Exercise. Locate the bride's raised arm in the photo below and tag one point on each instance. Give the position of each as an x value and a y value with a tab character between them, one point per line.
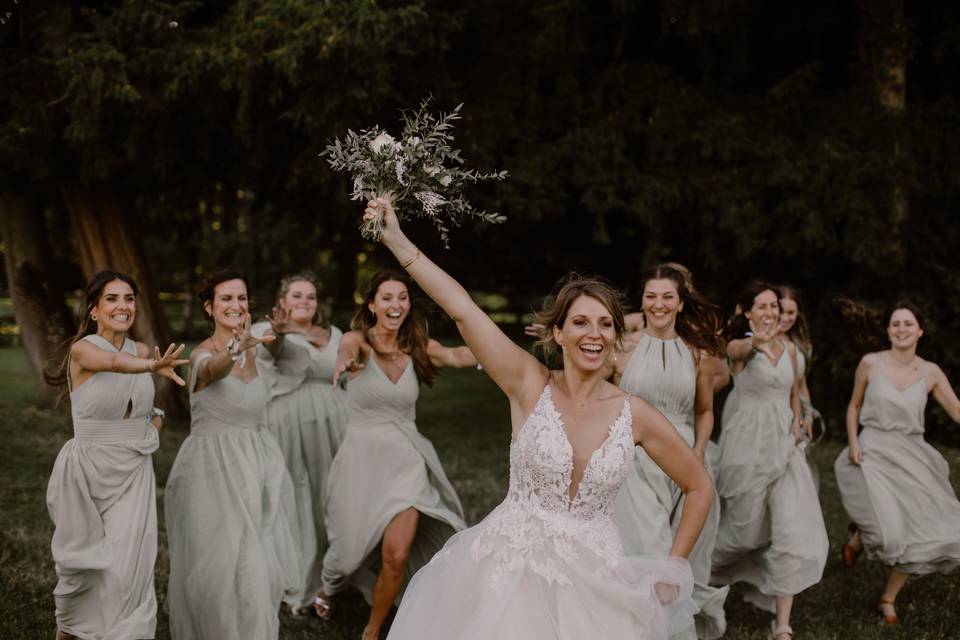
513	369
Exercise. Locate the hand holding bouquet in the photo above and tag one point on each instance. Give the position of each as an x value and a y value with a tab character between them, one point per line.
421	173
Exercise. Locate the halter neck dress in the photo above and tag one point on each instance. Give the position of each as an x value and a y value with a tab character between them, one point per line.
772	534
648	508
228	505
900	496
383	467
308	417
101	498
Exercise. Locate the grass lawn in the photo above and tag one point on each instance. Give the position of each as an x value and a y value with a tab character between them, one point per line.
466	417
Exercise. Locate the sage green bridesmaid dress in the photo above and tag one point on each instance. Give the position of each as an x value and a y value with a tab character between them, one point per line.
384	467
900	496
101	498
648	508
228	506
771	533
308	417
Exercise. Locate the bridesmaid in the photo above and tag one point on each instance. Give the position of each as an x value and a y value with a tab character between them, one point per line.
714	364
794	330
101	495
306	414
665	365
229	500
894	485
771	533
389	504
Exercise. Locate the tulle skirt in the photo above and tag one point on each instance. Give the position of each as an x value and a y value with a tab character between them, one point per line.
520	576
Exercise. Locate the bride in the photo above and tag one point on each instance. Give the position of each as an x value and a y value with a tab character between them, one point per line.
547	562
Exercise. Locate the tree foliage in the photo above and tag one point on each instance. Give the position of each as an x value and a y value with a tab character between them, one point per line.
741	137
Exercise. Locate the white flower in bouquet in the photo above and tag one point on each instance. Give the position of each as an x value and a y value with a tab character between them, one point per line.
421	170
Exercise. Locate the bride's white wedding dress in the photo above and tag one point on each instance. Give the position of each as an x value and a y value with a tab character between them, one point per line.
545	566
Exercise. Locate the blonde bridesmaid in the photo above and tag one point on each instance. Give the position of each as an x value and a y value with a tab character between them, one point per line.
306	413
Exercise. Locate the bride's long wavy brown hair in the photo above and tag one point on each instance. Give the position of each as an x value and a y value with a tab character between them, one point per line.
414	334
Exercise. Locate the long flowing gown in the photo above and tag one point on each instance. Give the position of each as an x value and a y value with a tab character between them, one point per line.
649	506
771	534
101	498
228	505
543	566
900	496
384	467
308	417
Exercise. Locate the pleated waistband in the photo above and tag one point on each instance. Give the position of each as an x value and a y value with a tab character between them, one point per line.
208	427
107	431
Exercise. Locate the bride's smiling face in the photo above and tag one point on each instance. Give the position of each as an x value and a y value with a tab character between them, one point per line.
587	335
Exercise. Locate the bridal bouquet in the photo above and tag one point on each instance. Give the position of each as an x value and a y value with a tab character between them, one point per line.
422	172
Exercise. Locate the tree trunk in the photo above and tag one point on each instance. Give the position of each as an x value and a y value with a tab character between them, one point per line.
42	314
109	239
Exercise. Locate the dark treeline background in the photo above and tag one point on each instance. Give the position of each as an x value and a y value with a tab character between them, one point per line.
810	143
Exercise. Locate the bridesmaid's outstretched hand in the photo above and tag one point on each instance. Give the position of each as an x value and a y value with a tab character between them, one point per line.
166	364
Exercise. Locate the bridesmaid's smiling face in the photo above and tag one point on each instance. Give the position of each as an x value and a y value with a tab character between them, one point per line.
765	311
903	330
300	302
661	304
229	305
116	308
788	314
391	305
587	335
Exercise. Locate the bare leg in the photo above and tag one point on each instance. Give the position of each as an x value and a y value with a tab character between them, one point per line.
397	540
784	607
855	542
886	605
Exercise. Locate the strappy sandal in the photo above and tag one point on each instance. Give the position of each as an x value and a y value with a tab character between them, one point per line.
776	632
889	616
323	606
850	555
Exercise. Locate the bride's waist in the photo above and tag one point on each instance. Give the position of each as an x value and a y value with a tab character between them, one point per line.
559	520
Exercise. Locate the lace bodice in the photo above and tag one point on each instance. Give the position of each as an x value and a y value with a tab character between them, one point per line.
541	526
541	464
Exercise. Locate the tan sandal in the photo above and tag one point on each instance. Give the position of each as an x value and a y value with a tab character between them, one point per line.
887	611
776	632
323	606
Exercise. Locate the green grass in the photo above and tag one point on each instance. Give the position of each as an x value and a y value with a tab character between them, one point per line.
467	419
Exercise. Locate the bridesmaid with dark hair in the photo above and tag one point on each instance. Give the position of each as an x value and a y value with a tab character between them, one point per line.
229	500
666	365
101	495
894	485
771	534
389	504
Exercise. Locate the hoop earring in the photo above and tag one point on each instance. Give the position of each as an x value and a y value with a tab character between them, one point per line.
94	318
